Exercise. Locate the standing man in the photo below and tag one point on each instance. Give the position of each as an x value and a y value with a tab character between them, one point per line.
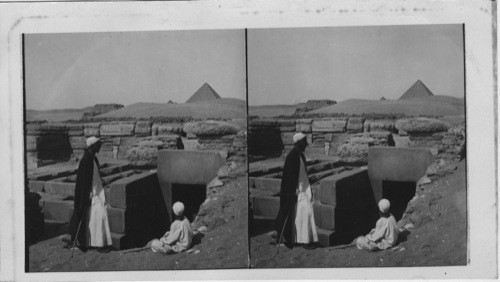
295	221
90	217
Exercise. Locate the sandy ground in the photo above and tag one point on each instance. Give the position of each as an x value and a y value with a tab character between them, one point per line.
439	236
224	245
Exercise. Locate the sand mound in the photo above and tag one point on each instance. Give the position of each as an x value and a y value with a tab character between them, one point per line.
272	110
432	105
222	108
55	115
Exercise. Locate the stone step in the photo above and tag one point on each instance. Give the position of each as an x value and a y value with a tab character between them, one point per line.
322	166
324	216
119	175
269	184
256	172
62	188
36	185
115	169
265	207
57	210
328	238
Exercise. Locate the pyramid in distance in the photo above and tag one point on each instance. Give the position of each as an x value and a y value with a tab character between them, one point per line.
205	93
417	90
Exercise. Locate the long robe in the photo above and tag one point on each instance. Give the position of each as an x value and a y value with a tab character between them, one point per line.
98	233
305	227
82	201
288	197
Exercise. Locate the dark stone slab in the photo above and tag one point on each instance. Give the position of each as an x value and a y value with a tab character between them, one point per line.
396	164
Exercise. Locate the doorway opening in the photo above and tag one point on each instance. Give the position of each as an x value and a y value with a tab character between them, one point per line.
191	195
399	193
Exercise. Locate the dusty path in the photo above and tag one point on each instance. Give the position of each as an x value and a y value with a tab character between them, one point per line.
224	245
438	238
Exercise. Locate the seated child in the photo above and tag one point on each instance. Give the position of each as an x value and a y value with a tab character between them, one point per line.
179	237
385	233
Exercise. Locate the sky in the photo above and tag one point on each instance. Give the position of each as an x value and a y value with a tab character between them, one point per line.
83	69
291	65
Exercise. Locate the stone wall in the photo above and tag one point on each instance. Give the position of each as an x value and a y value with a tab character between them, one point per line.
275	136
350	137
137	141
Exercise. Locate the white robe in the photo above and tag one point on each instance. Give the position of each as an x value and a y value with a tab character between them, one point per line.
383	236
177	239
305	227
98	233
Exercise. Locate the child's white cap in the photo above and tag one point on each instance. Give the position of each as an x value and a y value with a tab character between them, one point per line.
384	205
178	208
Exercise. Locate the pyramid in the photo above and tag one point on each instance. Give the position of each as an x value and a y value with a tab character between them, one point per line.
383	98
417	90
170	102
205	93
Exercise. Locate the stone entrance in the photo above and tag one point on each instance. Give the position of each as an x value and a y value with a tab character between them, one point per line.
183	176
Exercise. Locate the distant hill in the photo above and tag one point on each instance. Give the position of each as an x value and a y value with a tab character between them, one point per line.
417	90
204	94
431	105
56	115
221	108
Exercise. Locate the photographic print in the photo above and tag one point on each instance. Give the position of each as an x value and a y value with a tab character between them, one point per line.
135	150
202	140
356	145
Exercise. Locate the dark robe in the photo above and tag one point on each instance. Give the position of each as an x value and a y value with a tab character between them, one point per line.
82	201
288	197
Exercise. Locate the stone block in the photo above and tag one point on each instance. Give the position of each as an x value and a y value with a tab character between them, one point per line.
57	210
345	188
120	241
78	142
325	237
75	129
287	138
142	128
382	125
268	184
154	129
303	125
117	129
132	191
265	207
117	219
36	185
396	164
421	125
92	129
251	182
188	167
169	128
355	124
46	129
329	125
61	188
324	216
